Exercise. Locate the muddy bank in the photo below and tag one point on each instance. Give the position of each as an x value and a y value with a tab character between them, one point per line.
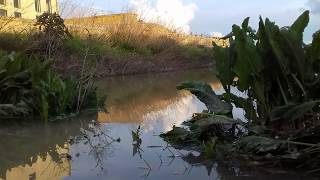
111	66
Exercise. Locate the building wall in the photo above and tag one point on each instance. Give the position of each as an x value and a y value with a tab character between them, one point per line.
27	8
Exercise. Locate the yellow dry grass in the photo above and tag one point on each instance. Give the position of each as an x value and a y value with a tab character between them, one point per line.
119	29
127	29
16	25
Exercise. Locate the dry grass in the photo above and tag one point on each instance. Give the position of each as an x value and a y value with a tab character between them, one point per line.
120	42
126	30
12	25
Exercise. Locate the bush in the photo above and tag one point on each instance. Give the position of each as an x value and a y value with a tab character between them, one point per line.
280	76
52	25
51	37
28	87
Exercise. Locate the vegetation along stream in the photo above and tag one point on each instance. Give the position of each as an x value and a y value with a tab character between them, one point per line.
112	146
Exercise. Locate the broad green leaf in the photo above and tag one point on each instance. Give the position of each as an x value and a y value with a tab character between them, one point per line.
300	24
248	61
259	144
274	38
293	48
205	94
315	47
245	24
224	63
177	135
215	120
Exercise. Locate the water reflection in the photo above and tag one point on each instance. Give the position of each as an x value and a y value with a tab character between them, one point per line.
42	167
36	151
153	99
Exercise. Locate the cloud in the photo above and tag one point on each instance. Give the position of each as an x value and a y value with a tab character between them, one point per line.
170	13
314	6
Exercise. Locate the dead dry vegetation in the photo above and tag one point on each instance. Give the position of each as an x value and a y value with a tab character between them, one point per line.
127	28
119	44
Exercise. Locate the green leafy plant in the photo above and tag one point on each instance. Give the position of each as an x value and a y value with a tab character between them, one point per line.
279	74
28	87
274	67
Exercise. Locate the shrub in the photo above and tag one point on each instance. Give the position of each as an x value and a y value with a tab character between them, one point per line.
280	76
52	25
51	37
28	87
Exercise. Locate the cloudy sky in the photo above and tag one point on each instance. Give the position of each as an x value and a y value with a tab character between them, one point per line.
212	16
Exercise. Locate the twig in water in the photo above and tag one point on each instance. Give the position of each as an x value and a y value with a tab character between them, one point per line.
161	162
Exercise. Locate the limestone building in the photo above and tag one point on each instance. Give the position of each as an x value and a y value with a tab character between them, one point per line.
27	9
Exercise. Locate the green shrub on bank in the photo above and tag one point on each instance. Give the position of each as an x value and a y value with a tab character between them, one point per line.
28	87
280	76
196	52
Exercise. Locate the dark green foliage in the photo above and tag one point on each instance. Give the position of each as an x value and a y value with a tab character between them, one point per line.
273	66
136	142
196	52
136	135
280	75
28	87
52	24
259	144
178	136
292	112
51	37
